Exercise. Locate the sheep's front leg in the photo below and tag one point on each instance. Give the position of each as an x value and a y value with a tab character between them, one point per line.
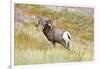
53	42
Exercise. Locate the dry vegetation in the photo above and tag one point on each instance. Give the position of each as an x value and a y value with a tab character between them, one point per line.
32	47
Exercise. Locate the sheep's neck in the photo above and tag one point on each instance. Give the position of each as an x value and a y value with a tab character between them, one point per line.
46	30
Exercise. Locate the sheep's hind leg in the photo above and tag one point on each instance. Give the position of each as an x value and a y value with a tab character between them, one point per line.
68	44
65	46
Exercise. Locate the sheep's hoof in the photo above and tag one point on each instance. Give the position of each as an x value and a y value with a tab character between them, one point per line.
68	49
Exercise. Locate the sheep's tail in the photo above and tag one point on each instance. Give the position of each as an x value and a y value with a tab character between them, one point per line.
69	35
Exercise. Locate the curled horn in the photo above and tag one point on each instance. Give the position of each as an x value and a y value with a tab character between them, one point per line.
39	21
50	23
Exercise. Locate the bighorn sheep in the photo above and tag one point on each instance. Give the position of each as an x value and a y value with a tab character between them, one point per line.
53	34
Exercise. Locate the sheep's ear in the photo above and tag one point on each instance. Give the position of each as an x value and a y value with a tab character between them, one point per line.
50	25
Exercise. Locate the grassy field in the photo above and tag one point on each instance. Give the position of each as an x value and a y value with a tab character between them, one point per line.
32	47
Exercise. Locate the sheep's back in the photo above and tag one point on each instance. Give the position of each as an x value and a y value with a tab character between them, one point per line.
58	35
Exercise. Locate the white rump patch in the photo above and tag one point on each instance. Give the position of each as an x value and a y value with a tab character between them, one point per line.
66	36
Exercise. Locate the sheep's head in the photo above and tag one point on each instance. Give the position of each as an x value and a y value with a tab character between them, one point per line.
45	23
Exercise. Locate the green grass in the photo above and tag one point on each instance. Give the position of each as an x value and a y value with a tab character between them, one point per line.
32	47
